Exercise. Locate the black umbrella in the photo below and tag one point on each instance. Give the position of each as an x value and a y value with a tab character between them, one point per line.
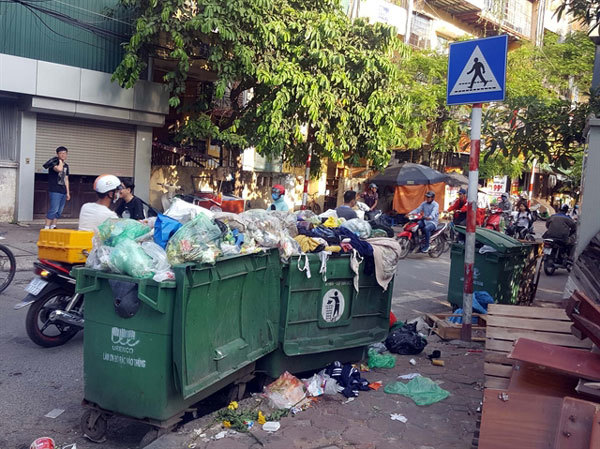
457	180
409	174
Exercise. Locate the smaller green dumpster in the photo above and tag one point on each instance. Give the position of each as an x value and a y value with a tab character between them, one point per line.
499	262
323	318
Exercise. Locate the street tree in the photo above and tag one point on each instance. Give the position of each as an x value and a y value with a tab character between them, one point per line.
300	63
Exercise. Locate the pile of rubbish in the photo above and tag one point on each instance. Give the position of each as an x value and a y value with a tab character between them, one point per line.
190	233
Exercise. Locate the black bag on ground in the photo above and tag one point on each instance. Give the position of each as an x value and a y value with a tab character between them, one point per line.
406	340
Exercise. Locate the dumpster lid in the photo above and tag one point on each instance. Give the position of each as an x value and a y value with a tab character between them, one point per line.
497	240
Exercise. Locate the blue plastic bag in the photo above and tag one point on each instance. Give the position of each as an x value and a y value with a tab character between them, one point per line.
481	299
164	228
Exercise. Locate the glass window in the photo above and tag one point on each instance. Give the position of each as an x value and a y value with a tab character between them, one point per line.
9	120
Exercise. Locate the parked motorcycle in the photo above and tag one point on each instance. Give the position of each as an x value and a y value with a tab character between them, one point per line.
55	312
519	233
555	256
410	238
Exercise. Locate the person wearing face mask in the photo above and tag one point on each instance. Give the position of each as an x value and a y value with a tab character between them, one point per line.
277	193
92	215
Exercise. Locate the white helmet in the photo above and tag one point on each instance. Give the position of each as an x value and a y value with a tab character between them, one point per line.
106	183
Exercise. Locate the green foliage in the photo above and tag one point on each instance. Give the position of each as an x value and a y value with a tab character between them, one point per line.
491	165
583	11
305	62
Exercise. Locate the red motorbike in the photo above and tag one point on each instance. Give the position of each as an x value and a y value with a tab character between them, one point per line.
494	219
410	238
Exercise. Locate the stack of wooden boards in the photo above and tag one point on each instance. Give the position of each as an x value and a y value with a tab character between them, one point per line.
542	382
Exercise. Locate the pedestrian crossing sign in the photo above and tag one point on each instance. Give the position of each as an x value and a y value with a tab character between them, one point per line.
477	70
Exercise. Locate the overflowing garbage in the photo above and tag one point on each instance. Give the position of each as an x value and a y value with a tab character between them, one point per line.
189	233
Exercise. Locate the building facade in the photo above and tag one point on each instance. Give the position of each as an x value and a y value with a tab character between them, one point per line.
56	90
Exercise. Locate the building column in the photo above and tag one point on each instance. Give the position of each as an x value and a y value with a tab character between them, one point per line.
142	163
26	173
589	216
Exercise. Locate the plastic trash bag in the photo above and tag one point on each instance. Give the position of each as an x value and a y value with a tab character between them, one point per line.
99	258
377	360
406	340
183	211
129	258
285	392
422	390
234	221
196	241
288	222
230	250
160	264
306	215
264	227
360	227
115	230
288	247
164	228
320	384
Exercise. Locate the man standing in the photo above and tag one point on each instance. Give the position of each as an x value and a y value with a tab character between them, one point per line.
345	210
428	223
58	186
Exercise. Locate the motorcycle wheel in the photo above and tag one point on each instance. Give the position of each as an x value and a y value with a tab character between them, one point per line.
549	267
437	248
40	329
404	247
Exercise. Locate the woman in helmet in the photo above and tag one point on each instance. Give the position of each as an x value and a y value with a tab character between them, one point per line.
277	193
371	196
93	215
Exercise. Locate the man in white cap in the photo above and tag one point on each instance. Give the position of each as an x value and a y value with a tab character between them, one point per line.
93	215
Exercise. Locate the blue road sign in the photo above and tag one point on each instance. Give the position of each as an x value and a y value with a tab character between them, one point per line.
477	70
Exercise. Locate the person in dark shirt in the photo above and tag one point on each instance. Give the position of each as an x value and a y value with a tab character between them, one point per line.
58	186
131	206
345	210
561	227
371	196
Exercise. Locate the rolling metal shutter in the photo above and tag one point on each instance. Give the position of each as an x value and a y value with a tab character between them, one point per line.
94	147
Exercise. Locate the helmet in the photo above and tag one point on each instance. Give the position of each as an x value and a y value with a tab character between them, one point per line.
106	183
373	185
430	194
504	195
462	191
564	208
279	189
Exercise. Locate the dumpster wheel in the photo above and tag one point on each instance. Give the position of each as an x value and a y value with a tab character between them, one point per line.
93	425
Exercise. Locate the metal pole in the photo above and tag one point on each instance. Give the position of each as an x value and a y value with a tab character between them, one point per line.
306	177
531	182
465	332
596	72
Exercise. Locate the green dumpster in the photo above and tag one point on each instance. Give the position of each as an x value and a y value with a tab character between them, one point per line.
324	318
186	340
497	268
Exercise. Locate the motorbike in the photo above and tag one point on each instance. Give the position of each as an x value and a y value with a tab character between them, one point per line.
410	239
494	219
55	312
521	233
555	256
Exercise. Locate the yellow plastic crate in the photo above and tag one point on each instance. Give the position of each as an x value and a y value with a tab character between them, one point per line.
64	245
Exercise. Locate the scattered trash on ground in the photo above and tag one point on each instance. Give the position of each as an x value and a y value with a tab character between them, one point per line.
409	376
285	392
43	443
437	362
434	355
398	417
55	413
378	360
406	340
376	385
422	390
412	362
348	400
271	426
320	384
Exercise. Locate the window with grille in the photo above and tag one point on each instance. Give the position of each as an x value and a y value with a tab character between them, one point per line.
9	130
420	31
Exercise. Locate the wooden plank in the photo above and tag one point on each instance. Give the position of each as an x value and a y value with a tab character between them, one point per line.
528	378
518	420
500	358
545	337
574	362
561	327
575	425
494	369
528	312
498	345
500	383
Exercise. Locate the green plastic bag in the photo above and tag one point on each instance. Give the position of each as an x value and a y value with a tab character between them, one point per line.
129	258
199	240
115	230
377	360
422	390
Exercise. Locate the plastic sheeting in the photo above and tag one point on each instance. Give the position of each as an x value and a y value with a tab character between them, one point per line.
407	198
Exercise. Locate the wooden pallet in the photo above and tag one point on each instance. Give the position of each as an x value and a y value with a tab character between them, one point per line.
507	323
449	331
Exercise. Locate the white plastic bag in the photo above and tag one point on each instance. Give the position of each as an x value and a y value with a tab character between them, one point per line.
183	211
160	263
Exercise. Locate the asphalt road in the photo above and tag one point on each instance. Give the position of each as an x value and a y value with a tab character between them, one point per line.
35	380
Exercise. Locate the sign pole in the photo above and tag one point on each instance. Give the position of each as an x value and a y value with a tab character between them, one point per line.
531	182
465	332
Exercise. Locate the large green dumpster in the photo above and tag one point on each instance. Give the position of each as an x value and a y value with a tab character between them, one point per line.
497	268
187	339
324	318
